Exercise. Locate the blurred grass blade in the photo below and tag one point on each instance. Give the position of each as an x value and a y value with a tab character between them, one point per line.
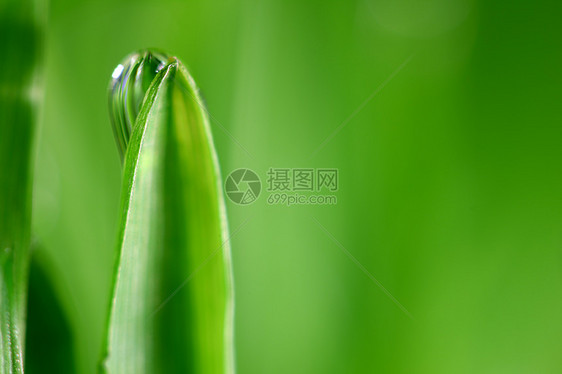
171	309
19	43
49	344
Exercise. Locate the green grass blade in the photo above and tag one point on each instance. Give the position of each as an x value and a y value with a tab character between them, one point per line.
171	309
19	43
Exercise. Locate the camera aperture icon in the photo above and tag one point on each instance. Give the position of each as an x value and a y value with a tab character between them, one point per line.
242	186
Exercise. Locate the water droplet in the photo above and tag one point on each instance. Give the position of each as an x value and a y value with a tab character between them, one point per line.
129	83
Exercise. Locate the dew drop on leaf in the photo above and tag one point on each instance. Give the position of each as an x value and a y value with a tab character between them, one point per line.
129	83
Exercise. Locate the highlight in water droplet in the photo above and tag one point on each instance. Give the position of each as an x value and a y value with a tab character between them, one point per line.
117	72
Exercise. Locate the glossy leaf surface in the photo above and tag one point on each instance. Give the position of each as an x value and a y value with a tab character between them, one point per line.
171	309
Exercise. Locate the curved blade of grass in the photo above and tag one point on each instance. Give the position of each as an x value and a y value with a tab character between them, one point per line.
19	43
171	309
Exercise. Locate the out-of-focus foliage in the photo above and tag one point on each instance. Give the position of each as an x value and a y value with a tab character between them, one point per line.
449	176
20	36
49	347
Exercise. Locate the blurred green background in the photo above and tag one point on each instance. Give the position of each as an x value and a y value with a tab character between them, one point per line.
450	174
